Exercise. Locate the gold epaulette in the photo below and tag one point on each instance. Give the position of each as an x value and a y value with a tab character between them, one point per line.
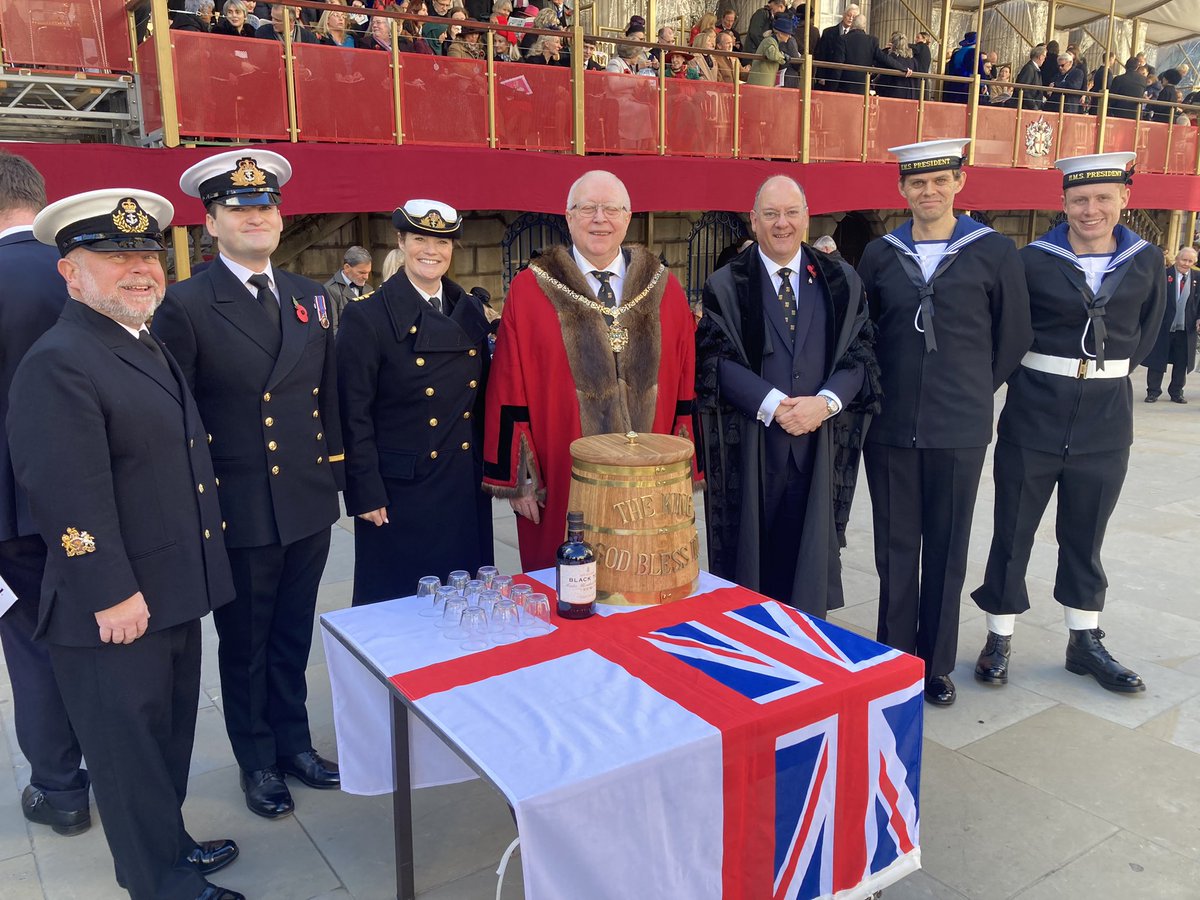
366	295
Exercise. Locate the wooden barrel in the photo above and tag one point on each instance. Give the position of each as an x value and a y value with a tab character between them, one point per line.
635	492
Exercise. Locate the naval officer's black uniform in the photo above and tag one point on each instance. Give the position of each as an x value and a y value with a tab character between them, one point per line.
108	443
266	386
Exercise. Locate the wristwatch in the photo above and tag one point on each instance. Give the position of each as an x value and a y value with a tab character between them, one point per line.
830	405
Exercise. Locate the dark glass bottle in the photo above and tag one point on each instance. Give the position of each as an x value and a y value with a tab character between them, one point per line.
575	568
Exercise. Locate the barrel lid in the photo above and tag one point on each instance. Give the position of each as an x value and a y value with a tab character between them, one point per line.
631	449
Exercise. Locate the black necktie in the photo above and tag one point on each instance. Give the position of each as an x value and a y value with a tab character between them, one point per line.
436	303
262	285
605	295
148	341
787	298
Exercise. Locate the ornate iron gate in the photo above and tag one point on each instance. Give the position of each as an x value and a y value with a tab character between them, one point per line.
526	237
712	234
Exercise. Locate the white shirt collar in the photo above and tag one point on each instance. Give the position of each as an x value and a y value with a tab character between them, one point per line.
616	266
7	231
773	267
242	274
427	297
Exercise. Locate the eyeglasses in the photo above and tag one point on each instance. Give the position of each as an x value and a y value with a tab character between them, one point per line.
608	210
774	215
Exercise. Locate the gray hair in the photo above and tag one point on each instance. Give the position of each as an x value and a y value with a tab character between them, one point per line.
596	173
231	5
196	6
1038	52
1184	247
860	21
356	256
825	244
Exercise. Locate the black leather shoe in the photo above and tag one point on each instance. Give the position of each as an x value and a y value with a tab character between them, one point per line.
939	690
37	809
992	665
1179	399
212	892
1152	398
266	794
312	770
1087	656
211	856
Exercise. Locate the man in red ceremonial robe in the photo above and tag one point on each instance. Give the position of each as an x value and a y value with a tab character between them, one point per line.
594	339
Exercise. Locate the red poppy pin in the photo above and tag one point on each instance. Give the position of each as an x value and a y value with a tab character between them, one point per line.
301	311
1170	279
812	273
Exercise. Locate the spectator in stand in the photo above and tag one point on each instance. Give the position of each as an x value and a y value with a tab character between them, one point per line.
233	21
380	35
331	29
705	64
468	45
636	29
762	24
809	34
765	70
1168	92
349	283
1070	78
1002	93
728	25
725	64
546	51
900	54
1130	85
589	52
451	32
704	23
273	30
409	39
628	60
546	19
963	63
677	64
561	12
832	48
1031	74
666	39
196	16
985	89
1103	76
921	54
1050	64
862	49
501	14
501	48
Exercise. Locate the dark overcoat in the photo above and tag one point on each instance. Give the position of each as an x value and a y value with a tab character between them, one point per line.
1157	360
268	396
411	382
115	448
733	446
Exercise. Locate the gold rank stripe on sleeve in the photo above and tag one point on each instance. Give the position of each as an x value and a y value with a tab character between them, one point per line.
337	457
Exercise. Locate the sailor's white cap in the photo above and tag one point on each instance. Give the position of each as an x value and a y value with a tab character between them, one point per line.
1097	168
930	156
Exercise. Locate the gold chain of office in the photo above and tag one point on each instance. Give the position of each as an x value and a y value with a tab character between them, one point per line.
618	334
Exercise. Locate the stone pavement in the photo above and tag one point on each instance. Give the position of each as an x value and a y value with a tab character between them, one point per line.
1047	788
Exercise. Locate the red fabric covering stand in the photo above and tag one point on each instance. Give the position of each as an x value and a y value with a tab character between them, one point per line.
328	179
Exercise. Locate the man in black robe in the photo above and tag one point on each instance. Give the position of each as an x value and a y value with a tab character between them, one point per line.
925	450
781	348
1096	293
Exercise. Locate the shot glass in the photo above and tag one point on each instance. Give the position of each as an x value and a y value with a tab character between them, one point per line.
427	589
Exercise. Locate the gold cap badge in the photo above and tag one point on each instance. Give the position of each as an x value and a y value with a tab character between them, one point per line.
130	218
248	174
77	543
432	219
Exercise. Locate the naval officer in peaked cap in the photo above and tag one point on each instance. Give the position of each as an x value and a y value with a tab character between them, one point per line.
412	376
108	443
1097	294
947	295
255	345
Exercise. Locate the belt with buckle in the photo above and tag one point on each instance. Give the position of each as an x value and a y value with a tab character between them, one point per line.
1075	368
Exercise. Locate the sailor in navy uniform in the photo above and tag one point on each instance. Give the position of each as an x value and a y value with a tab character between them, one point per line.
107	442
257	350
412	366
948	298
1097	296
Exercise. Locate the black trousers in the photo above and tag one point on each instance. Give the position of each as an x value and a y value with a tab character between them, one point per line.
1178	361
44	731
266	634
779	550
922	502
1088	487
134	709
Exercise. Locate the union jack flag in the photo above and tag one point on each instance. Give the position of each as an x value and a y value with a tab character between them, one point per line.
777	755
